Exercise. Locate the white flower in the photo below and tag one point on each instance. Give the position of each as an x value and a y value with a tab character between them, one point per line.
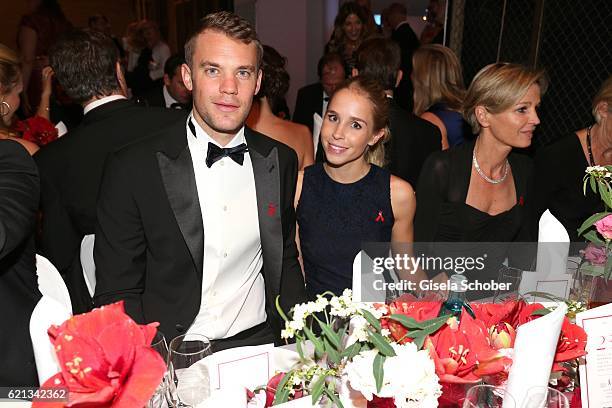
416	386
385	332
287	333
358	330
296	325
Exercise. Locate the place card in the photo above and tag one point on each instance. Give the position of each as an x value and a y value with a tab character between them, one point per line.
596	367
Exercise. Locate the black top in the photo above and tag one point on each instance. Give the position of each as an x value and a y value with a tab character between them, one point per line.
560	170
443	216
335	219
412	140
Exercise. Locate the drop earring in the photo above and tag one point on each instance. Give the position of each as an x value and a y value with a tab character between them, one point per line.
5	108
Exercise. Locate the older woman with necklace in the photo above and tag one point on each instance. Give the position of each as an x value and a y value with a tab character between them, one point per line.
568	159
477	192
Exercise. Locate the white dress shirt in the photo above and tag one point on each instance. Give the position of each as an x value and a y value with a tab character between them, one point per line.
100	102
233	290
168	99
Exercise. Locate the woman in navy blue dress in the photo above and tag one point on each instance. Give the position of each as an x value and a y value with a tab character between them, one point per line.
350	199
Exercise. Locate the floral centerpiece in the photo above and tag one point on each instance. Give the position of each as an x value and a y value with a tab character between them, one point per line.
404	354
105	359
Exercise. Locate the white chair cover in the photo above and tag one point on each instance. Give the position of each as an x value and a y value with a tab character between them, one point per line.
87	262
53	308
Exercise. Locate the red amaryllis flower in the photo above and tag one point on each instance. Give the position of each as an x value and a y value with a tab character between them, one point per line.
463	354
513	312
37	130
407	305
381	402
105	359
273	385
572	344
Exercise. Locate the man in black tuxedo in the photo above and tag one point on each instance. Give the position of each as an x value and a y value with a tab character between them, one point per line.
408	42
172	93
313	98
87	66
412	138
196	224
19	191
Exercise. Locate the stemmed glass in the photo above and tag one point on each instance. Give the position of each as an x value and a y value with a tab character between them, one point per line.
189	384
545	397
488	396
159	344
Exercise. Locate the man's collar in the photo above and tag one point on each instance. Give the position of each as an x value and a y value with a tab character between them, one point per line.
203	137
168	99
100	102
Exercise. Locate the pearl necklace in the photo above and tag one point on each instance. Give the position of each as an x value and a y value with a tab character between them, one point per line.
484	176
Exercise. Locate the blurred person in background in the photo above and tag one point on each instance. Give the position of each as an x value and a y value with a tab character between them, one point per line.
38	30
172	93
274	86
439	92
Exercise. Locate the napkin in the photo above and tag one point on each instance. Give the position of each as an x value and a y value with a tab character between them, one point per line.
534	352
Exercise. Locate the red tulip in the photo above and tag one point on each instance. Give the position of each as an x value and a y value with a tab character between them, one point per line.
105	359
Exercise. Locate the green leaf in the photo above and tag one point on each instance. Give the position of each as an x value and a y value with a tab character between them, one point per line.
332	395
433	325
407	322
282	394
329	333
592	220
316	342
331	351
381	343
419	341
540	312
592	236
608	268
317	389
371	319
298	347
280	309
351	351
378	370
593	185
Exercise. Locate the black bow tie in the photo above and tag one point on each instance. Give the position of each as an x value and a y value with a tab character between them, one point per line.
177	105
216	153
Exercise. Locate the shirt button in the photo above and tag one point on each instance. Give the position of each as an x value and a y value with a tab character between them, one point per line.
225	254
222	163
214	293
225	208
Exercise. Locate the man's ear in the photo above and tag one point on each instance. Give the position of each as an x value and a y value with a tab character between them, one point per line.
354	72
186	75
482	116
167	80
259	77
398	77
121	79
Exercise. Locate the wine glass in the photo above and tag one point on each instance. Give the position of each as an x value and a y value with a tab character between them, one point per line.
545	397
488	396
158	398
511	278
189	384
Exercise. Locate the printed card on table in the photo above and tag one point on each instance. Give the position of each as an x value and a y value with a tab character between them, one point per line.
596	370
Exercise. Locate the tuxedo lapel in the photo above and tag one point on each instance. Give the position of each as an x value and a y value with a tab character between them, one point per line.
267	186
176	168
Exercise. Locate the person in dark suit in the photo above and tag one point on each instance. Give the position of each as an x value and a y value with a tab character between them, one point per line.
196	226
313	98
19	191
403	34
87	66
412	139
172	93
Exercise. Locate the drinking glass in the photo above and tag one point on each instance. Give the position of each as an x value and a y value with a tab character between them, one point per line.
189	384
545	397
511	277
158	399
488	396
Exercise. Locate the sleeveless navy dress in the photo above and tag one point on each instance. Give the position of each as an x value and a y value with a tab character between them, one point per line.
335	219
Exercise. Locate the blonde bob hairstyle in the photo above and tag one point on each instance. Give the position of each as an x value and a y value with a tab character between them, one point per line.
604	95
437	78
498	87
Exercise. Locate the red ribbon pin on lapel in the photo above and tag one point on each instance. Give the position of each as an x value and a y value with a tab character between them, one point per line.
271	209
380	217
